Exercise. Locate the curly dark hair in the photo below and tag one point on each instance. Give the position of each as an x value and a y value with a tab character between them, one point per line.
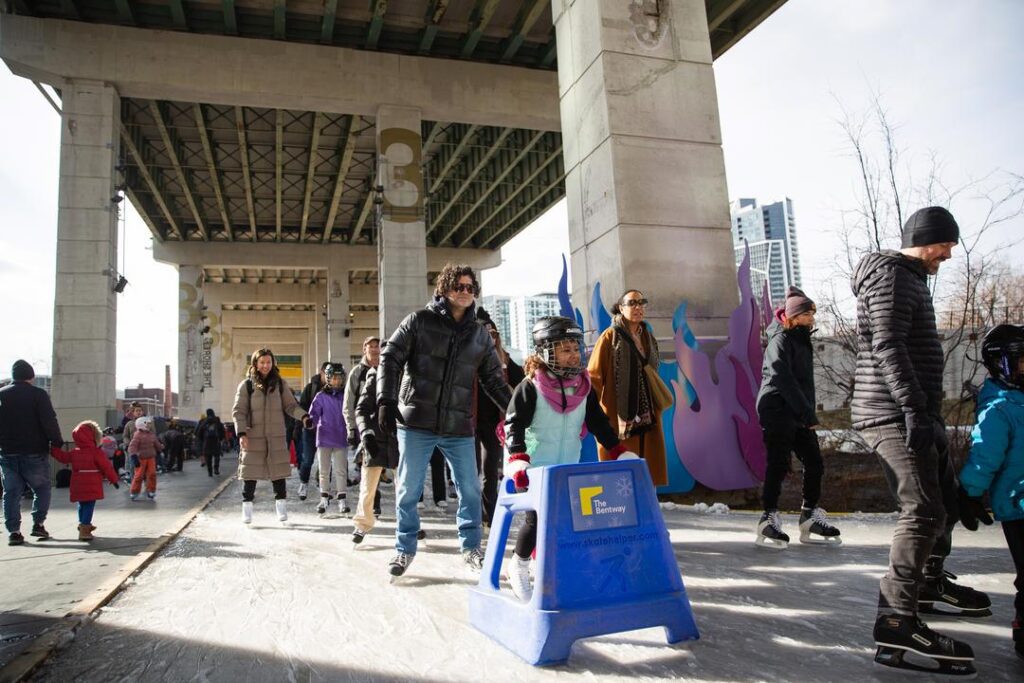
450	276
273	379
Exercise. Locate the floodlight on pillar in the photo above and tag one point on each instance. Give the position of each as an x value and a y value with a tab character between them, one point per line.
121	283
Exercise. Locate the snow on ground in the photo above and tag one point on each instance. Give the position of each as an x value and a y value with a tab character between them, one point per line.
227	602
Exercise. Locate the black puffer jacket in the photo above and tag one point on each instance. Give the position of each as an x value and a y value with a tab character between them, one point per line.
366	423
441	359
787	376
899	354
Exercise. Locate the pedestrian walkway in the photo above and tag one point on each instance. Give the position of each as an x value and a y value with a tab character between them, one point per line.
226	602
45	580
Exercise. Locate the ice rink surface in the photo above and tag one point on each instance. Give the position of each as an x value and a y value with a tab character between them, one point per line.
226	602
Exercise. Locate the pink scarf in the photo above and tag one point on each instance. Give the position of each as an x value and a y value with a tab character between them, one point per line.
552	389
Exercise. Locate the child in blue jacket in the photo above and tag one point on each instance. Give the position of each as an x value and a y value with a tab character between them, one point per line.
996	462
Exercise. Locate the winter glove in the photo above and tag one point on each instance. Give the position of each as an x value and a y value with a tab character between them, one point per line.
972	510
620	453
54	450
135	461
371	446
387	418
354	440
920	432
515	469
307	422
941	438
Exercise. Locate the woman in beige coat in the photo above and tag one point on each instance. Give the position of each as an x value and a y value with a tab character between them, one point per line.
261	402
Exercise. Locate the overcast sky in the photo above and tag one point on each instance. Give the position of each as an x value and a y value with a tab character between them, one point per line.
950	73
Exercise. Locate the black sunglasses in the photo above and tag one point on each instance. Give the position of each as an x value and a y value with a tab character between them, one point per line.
634	302
471	288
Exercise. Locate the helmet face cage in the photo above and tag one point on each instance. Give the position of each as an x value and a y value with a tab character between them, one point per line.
1001	351
332	371
547	350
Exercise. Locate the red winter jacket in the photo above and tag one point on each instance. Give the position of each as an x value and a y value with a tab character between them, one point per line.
145	444
89	464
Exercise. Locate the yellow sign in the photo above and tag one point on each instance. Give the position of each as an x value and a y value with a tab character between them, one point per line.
587	496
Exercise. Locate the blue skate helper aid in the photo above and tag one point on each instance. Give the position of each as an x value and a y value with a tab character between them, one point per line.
604	563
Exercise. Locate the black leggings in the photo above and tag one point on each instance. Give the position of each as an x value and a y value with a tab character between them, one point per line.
779	444
249	489
213	462
1014	532
526	541
489	458
438	483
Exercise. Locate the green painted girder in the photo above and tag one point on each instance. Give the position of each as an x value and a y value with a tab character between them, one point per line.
549	52
211	167
478	22
279	19
230	19
521	186
178	15
378	8
327	27
528	15
124	12
432	22
171	149
479	165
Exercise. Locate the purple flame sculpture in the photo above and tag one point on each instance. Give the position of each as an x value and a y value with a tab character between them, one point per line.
720	443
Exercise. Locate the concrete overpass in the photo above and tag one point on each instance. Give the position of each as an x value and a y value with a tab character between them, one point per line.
320	160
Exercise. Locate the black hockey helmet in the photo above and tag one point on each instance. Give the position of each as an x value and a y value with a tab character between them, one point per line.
1001	351
547	333
333	369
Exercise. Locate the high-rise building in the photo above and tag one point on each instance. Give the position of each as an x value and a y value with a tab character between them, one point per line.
498	308
516	315
770	232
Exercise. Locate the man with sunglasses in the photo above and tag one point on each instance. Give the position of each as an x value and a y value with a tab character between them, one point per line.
428	370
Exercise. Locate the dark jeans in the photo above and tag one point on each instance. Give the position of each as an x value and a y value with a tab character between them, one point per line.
18	472
924	485
175	459
212	463
85	510
526	541
1014	532
780	441
489	458
249	489
306	454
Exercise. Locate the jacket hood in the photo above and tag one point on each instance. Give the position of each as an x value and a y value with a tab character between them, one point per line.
439	305
877	264
84	436
992	390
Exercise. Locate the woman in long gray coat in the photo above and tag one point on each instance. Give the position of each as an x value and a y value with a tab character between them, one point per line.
261	401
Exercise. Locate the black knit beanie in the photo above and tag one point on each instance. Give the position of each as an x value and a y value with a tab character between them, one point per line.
797	302
932	225
21	371
210	413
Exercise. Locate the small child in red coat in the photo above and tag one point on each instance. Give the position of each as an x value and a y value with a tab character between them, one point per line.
89	466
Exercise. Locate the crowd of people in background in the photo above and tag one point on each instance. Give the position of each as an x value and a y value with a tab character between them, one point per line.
442	392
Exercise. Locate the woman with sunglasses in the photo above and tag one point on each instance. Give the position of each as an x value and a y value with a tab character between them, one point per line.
624	372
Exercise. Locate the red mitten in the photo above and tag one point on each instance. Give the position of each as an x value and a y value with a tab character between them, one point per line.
620	453
499	431
515	469
56	451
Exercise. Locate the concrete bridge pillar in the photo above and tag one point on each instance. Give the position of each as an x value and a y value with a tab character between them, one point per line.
338	323
648	203
194	350
85	306
401	245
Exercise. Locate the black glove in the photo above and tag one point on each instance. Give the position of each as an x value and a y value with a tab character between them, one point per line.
972	511
920	432
371	446
387	418
941	438
353	440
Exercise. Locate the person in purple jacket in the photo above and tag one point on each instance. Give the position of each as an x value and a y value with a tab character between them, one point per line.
328	414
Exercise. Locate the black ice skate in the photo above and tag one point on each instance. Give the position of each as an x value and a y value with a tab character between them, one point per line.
1018	637
769	532
399	564
357	536
906	642
942	596
474	559
815	528
321	507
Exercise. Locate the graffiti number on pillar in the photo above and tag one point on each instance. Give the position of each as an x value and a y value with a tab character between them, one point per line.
401	174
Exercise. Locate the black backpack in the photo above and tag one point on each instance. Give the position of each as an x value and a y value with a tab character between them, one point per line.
63	478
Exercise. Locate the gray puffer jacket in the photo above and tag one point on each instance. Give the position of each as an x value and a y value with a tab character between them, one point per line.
899	354
442	359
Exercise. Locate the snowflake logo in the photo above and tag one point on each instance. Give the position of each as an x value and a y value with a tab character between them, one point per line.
624	486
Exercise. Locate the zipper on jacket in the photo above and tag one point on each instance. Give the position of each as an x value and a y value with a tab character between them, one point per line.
446	382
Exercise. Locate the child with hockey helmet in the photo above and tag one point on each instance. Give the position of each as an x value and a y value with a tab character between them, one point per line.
544	423
328	414
996	460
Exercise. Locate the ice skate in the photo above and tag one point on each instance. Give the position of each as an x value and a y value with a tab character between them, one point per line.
816	530
357	537
247	512
1018	637
151	495
519	578
303	490
343	507
906	642
942	596
474	559
134	496
441	504
421	535
321	507
399	564
282	510
769	532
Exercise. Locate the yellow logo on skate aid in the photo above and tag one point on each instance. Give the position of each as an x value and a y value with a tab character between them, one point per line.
587	495
603	500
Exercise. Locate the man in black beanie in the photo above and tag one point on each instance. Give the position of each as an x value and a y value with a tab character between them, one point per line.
897	401
28	428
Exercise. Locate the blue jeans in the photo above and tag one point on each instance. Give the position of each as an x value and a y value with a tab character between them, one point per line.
307	454
85	510
415	446
19	471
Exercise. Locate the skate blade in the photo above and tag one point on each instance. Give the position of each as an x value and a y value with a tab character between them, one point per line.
811	539
952	611
770	543
912	660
